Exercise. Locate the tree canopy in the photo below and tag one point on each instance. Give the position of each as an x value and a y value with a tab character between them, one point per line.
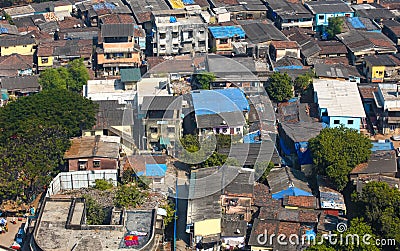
379	204
336	151
334	26
202	153
55	107
34	135
129	195
72	77
302	82
357	227
204	79
280	87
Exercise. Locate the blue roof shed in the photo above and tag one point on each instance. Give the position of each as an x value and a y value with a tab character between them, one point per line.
219	101
227	31
156	170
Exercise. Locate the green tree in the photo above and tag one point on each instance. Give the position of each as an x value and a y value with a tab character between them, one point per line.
103	185
204	79
262	170
231	162
334	27
54	78
336	151
169	206
216	159
379	204
29	161
357	227
95	213
78	74
279	87
302	82
55	107
129	196
72	77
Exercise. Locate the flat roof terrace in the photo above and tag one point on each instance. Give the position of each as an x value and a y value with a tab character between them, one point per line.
51	232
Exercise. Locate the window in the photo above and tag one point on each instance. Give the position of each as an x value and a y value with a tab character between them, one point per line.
175	34
82	165
336	122
237	129
45	60
321	17
96	163
223	41
170	129
163	35
25	45
162	47
190	34
350	122
6	47
202	43
153	129
347	15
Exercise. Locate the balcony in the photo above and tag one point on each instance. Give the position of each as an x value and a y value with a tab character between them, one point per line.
118	47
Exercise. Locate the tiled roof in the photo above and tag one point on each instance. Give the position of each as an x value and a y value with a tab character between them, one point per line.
92	146
331	47
285	44
301	201
9	65
117	19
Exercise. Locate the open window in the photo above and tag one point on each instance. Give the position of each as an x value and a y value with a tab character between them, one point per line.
96	163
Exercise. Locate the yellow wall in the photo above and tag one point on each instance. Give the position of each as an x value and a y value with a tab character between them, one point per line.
19	49
48	64
376	77
63	8
207	227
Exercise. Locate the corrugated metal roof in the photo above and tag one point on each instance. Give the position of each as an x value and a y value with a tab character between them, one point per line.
340	98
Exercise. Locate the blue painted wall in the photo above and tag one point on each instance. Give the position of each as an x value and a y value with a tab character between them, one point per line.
345	122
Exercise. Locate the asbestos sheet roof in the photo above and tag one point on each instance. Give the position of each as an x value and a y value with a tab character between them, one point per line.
340	98
27	83
328	6
301	131
117	30
258	32
280	179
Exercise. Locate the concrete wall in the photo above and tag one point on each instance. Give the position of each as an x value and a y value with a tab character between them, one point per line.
77	180
345	122
105	163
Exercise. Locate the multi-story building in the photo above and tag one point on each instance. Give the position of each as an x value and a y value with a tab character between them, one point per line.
162	122
325	9
387	102
178	31
117	48
339	103
287	14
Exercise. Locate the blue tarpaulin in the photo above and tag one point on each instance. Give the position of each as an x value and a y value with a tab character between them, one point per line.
291	191
251	138
356	23
382	146
303	153
219	101
188	1
156	170
172	19
284	148
227	31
